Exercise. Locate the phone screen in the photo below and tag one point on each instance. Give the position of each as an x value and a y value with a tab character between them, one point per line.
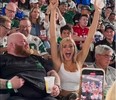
92	85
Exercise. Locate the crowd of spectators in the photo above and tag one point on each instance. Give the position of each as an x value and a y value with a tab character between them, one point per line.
54	38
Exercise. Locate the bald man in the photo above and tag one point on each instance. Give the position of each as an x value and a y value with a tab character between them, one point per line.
18	45
32	69
16	1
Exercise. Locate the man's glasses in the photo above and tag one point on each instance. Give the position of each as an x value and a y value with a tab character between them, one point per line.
22	26
107	56
11	11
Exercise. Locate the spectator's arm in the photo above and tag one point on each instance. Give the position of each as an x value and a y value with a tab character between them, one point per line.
15	83
3	83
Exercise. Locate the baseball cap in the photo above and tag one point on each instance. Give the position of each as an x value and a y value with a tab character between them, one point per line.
33	1
109	27
85	7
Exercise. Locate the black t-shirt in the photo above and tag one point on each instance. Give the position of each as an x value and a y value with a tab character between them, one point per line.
32	69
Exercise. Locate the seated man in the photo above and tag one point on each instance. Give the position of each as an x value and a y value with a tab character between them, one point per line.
103	56
34	41
19	60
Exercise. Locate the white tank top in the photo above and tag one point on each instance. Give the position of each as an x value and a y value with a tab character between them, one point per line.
70	81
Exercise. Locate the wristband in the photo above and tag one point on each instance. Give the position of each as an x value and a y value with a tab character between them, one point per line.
8	84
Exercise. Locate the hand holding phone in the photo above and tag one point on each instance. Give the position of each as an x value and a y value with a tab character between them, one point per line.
91	87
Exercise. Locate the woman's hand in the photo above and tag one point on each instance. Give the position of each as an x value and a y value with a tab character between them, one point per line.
55	91
53	4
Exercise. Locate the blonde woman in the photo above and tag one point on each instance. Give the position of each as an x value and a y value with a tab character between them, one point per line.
111	94
68	62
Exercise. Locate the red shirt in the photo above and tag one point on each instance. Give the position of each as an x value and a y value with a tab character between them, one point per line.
79	31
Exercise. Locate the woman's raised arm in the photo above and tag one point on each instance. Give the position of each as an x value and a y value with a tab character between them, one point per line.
86	45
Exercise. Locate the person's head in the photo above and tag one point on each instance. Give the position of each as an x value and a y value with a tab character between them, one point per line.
10	10
85	10
108	10
34	14
16	1
100	26
111	94
17	45
109	32
65	31
41	2
63	7
25	26
34	3
68	50
5	25
83	20
103	56
112	17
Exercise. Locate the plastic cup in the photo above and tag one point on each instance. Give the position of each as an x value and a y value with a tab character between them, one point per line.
43	33
99	3
49	82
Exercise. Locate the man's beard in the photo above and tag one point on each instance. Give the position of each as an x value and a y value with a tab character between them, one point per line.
19	50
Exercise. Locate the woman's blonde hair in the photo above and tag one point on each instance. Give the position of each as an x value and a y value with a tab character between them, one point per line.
61	46
30	18
111	94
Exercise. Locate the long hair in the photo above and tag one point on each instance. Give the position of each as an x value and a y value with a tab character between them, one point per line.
30	18
61	46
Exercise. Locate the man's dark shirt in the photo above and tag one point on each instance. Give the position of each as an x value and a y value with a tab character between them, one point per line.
30	69
105	42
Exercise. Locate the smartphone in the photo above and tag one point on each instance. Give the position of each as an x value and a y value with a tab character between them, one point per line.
92	82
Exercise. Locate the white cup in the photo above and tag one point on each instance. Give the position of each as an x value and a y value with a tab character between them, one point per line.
49	82
43	33
99	3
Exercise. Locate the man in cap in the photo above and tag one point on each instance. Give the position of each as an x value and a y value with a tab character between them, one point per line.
34	3
68	16
85	9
